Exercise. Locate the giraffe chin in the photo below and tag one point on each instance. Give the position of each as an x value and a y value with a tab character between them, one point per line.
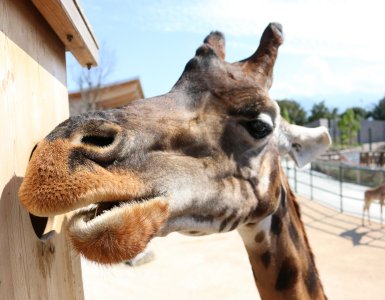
118	233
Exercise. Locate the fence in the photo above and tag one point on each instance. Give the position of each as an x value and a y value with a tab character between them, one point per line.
335	185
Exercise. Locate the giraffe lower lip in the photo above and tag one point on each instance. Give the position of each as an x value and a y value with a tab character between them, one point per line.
118	233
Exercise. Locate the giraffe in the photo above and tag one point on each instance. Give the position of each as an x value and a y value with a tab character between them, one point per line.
203	158
376	193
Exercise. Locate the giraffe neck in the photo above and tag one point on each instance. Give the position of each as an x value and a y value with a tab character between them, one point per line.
280	256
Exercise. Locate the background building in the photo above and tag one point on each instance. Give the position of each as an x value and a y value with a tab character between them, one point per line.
108	96
371	131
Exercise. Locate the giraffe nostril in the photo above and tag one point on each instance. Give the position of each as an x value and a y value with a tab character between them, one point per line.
98	140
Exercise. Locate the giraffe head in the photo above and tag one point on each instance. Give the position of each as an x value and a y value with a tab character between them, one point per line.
201	159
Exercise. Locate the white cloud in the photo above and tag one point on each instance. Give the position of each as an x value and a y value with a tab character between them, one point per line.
318	31
330	27
316	76
338	45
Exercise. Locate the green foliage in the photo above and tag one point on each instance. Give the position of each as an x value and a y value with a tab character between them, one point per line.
320	111
361	112
292	111
378	112
333	113
348	124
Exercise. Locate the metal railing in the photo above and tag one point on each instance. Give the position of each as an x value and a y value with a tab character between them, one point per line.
335	184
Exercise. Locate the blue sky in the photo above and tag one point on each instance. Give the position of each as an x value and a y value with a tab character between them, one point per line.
334	50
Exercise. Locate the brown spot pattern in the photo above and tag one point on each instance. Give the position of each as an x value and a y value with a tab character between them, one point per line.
235	224
266	258
276	224
294	235
259	237
288	275
226	221
311	279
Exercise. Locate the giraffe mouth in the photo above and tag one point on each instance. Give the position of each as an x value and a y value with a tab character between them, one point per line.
93	211
112	232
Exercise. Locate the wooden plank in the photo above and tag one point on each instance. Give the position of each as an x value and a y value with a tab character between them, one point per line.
67	20
22	24
33	100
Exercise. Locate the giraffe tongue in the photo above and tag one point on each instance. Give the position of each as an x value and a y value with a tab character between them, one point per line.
119	233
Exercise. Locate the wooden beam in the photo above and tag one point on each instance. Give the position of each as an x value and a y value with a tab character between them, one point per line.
68	21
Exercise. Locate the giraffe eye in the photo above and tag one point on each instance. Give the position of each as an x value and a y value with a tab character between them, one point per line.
257	128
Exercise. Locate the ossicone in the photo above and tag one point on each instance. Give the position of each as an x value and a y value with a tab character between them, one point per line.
261	63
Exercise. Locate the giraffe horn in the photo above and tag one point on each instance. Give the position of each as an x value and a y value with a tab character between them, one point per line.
217	41
261	63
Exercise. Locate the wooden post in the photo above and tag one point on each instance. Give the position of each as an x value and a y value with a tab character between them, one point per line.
33	100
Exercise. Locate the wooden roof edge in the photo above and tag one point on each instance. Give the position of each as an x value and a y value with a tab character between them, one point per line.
86	22
71	26
76	95
140	88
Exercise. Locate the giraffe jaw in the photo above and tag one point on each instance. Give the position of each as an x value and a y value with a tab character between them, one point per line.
114	233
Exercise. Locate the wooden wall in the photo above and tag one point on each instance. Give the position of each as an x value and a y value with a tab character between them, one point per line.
33	100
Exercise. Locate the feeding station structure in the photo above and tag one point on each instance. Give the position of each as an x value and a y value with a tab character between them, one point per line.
35	260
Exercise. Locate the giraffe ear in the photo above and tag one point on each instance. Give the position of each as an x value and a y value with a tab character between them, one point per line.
302	143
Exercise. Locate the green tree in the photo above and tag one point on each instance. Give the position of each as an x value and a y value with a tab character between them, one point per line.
348	124
292	111
333	113
321	111
378	112
361	112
